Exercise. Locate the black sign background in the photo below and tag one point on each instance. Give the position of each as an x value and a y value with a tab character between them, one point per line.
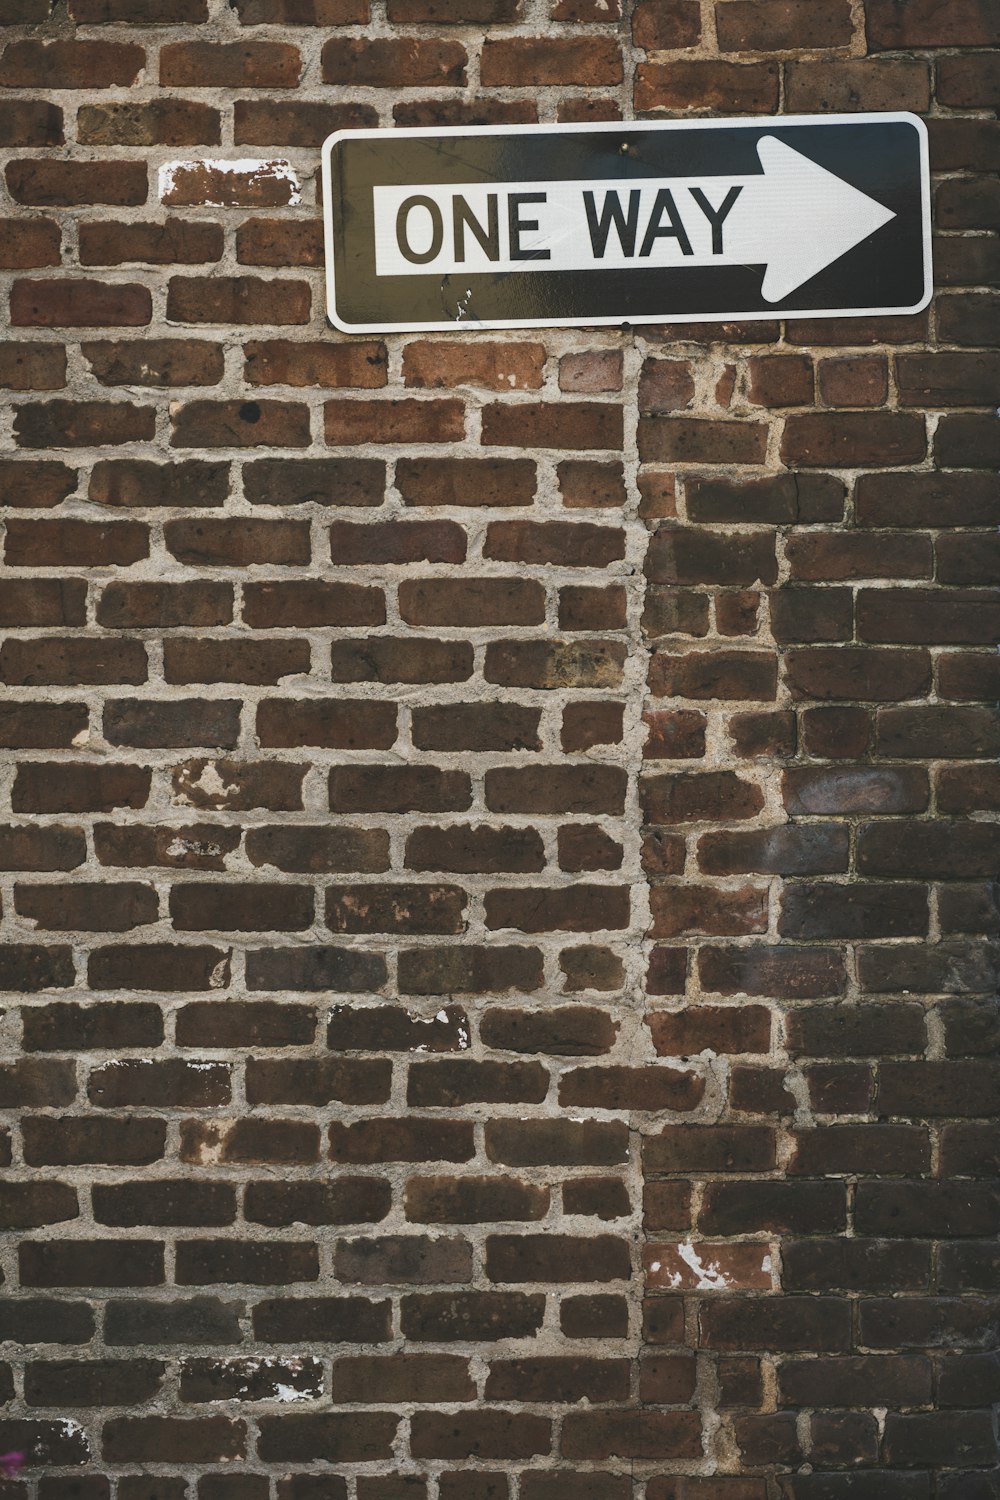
882	155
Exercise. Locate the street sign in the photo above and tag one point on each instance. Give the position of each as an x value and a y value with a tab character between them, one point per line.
522	226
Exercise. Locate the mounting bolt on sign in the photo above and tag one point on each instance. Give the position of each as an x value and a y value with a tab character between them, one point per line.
680	221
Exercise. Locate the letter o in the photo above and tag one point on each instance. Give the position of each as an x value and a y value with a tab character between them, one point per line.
419	257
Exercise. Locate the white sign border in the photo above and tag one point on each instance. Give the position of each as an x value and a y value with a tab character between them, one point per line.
744	121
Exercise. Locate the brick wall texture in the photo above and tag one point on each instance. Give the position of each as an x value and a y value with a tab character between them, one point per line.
498	829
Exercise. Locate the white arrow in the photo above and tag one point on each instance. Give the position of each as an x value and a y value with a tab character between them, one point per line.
794	218
798	219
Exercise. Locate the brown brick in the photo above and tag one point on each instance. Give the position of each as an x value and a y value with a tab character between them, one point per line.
970	23
469	969
65	184
540	61
297	13
279	242
596	371
106	907
742	1029
564	424
158	966
178	241
393	62
240	424
399	659
70	64
274	65
465	481
41	726
93	12
317	481
663	25
700	440
498	367
724	87
410	908
161	122
779	379
782	25
32	367
268	605
890	438
83	424
263	185
155	362
237	299
861	380
584	483
83	787
476	726
632	1435
277	122
968	80
280	362
555	664
31	122
396	421
716	674
426	112
568	544
859	84
471	601
29	242
465	1200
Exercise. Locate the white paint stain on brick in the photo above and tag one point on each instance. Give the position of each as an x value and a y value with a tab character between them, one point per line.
254	169
709	1278
209	784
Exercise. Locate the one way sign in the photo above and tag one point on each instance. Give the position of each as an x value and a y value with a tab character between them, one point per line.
682	221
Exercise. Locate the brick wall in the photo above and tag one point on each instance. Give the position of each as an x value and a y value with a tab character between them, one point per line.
499	830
